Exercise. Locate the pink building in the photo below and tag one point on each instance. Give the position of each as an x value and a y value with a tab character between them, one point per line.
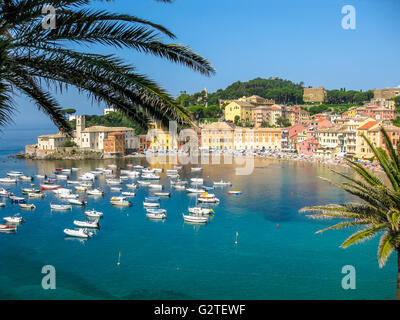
307	147
378	113
320	123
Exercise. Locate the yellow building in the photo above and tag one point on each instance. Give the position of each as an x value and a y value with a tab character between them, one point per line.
242	109
258	139
160	139
218	136
371	130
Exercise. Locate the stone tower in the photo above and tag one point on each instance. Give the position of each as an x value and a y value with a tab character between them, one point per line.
80	126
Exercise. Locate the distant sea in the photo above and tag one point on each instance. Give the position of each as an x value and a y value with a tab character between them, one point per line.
277	256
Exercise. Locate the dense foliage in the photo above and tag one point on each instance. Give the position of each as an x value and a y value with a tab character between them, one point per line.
333	108
348	97
199	111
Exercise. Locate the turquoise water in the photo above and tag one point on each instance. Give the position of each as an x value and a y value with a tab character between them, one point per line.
173	260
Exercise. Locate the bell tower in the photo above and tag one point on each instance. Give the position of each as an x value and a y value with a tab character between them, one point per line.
80	126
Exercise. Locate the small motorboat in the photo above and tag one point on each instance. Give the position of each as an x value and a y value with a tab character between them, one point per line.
208	200
152	199
178	167
144	183
156	186
62	177
120	201
235	192
158	214
41	176
195	218
158	170
68	196
28	206
200	211
35	195
131	186
49	187
62	191
150	176
138	167
25	178
59	169
208	187
16	219
197	180
94	214
86	224
2	204
94	192
86	184
113	181
196	169
172	171
67	171
81	233
77	202
60	207
30	190
116	189
4	193
73	182
124	178
80	188
15	173
194	190
7	228
76	169
151	204
8	180
15	199
179	187
112	166
129	194
162	194
222	183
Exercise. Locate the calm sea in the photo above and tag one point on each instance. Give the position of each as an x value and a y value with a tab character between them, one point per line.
278	254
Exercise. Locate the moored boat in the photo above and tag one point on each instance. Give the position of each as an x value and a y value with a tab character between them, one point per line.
60	207
94	214
195	218
152	199
120	201
129	194
156	214
77	202
49	187
222	183
16	219
200	211
81	233
95	192
162	194
35	195
30	190
194	190
151	204
15	199
234	192
7	228
8	180
29	206
86	224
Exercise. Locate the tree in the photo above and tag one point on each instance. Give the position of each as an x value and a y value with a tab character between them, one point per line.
380	210
31	55
265	124
236	120
69	111
283	122
69	143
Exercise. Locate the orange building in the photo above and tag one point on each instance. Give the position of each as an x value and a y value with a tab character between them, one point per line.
115	143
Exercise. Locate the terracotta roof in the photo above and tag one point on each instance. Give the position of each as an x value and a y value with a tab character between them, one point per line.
218	126
368	125
107	129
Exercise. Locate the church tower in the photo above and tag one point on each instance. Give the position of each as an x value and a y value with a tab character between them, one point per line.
80	126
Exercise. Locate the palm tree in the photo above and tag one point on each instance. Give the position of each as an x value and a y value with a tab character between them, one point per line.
34	59
379	212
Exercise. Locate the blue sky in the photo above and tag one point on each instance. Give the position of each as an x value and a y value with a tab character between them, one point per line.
244	39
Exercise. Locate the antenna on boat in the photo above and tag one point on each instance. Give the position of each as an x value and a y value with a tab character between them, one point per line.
236	242
119	259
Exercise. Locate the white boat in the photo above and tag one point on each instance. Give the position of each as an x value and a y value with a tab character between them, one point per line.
86	184
80	188
222	183
195	190
62	191
158	214
76	169
151	204
81	233
73	182
131	186
86	224
35	195
113	181
162	194
158	170
197	180
40	176
196	169
129	194
62	177
87	177
4	193
112	166
147	171
60	207
94	192
150	176
15	173
7	228
120	201
68	196
200	211
25	178
77	202
8	180
29	206
2	204
195	218
208	200
173	171
116	189
68	171
179	187
94	214
30	190
124	178
138	167
144	183
156	186
14	219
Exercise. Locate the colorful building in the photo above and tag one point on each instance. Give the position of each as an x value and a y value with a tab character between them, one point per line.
217	136
160	139
114	143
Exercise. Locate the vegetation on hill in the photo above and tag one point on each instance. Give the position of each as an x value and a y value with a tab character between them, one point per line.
331	108
282	91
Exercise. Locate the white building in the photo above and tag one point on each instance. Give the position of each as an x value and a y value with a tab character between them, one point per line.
50	142
108	110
